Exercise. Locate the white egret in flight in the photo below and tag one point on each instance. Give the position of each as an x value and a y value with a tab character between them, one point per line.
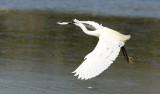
107	49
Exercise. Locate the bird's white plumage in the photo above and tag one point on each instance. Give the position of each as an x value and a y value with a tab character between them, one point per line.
100	58
92	23
105	52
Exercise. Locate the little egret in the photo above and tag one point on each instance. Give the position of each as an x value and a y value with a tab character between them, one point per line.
107	49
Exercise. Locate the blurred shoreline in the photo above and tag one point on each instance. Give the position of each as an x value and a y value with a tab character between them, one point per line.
71	15
126	8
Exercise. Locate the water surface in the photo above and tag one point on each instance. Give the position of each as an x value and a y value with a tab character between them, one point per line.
37	56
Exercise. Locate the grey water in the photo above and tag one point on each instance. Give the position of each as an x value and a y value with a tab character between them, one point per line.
37	56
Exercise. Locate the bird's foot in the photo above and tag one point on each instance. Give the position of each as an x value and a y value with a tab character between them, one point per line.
130	61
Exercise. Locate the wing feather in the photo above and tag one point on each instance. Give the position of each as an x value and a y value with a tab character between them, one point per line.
99	59
105	52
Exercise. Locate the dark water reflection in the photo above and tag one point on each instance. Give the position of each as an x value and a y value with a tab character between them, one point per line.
37	56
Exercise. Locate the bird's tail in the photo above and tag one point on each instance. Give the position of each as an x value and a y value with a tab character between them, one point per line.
126	37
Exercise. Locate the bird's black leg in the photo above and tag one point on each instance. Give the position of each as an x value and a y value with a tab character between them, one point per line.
125	55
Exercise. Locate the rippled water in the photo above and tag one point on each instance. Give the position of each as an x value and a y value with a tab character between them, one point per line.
37	56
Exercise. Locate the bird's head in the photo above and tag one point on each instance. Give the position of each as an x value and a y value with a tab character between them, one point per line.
89	24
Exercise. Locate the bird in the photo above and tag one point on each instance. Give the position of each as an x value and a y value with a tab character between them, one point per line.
106	51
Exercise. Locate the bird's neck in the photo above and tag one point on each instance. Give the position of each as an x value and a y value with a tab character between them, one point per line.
86	31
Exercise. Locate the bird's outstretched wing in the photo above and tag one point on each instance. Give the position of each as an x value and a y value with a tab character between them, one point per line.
99	59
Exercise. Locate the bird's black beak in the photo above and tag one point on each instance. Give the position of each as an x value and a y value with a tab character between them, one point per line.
71	22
